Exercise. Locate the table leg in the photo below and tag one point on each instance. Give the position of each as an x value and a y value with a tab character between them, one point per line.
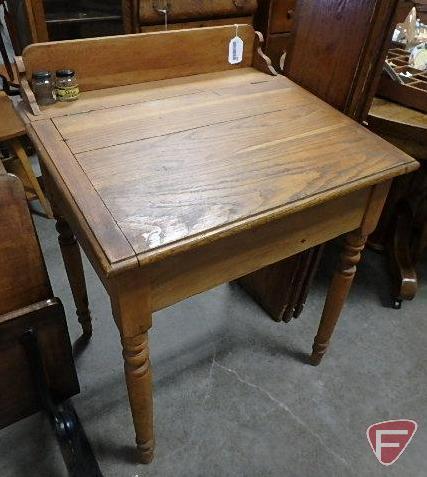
337	293
139	385
74	267
130	297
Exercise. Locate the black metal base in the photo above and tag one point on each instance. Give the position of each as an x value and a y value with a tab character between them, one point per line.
75	447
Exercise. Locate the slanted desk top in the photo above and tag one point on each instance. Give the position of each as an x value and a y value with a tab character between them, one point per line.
192	172
161	165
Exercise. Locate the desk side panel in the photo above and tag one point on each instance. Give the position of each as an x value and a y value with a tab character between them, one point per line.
194	271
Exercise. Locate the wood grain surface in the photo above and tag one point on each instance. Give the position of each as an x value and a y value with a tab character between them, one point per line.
200	180
103	226
393	112
11	125
196	270
19	396
128	59
155	175
404	127
338	48
100	129
23	277
142	92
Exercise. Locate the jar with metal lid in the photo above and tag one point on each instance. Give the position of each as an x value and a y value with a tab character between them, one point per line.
43	87
67	88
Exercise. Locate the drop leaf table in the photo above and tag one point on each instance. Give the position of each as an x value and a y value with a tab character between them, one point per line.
178	171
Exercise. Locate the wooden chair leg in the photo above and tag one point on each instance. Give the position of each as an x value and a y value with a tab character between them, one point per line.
20	153
74	267
337	293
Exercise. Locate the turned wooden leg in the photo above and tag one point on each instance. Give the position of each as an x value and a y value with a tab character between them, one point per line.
130	300
337	293
139	385
74	267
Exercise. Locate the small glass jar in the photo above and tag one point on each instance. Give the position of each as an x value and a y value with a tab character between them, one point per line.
66	86
43	87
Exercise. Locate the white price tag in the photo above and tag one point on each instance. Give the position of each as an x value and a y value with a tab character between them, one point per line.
235	50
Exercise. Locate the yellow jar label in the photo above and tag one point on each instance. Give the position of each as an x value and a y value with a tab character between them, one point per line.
67	94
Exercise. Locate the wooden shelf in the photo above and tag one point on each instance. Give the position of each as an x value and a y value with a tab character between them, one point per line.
80	17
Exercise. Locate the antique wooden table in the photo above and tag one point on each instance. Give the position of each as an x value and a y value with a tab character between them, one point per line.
191	172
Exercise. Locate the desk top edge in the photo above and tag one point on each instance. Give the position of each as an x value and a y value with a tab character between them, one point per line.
129	257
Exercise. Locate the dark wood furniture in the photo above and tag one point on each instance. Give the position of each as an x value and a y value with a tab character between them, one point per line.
337	51
413	91
149	15
176	173
26	301
275	19
402	230
12	130
421	6
44	20
37	370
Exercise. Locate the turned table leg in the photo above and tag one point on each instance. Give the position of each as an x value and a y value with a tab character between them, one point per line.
337	293
130	300
139	385
74	267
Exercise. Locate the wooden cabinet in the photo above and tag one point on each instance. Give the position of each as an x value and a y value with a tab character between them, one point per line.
337	52
339	49
281	16
275	19
149	15
46	20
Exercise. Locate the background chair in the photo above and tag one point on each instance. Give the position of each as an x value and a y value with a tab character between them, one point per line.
36	365
12	130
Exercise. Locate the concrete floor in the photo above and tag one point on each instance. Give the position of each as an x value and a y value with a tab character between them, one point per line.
232	394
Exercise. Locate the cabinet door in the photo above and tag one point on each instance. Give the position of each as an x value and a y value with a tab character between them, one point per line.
338	50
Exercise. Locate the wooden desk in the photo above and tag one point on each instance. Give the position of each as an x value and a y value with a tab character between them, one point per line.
198	173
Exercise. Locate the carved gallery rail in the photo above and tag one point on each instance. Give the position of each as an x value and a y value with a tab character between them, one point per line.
178	171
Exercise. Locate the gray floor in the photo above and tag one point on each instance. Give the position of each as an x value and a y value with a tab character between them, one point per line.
232	395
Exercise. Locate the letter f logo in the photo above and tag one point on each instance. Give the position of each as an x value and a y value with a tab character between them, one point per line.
388	439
